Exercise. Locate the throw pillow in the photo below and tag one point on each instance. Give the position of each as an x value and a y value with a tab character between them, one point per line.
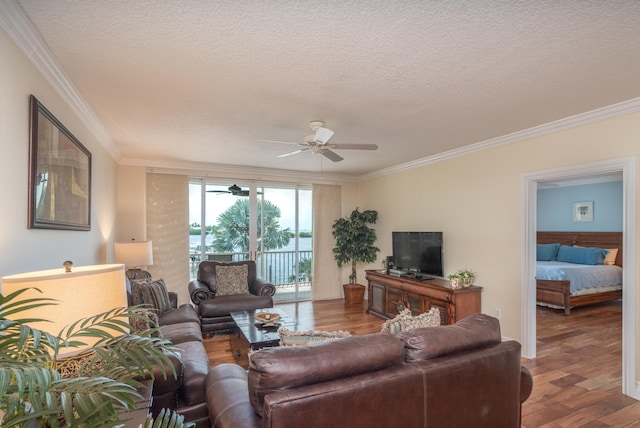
405	321
232	280
610	259
148	320
296	338
152	293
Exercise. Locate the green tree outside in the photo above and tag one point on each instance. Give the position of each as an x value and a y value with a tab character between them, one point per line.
232	230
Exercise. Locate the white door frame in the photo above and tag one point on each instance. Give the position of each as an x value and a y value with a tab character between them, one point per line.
528	284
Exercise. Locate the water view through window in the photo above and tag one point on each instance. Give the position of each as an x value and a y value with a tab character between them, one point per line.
271	225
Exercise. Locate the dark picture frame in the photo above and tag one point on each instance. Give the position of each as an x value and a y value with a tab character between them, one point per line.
59	174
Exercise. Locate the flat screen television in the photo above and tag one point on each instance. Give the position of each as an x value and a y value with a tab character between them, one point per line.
418	252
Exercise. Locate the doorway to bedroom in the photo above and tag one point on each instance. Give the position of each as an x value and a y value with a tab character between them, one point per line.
531	184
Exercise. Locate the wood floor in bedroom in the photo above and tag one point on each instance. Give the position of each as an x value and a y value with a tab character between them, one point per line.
577	375
578	371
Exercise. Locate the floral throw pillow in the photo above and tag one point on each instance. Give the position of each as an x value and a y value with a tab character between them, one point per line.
297	338
232	280
406	321
148	320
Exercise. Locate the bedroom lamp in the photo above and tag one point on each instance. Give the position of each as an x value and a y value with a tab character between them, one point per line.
134	255
82	292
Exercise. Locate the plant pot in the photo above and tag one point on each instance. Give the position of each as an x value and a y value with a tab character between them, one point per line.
353	293
466	282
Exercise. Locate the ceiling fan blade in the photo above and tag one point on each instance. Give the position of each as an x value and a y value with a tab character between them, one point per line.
323	135
355	147
331	155
280	142
292	153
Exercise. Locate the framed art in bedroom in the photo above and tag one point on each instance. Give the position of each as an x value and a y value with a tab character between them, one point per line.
583	211
59	174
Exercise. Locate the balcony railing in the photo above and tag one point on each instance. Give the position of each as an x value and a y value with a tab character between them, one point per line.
277	267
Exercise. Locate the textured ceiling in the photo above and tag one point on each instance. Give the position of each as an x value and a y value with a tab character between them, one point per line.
178	81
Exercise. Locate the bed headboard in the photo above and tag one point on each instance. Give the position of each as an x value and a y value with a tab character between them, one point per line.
605	240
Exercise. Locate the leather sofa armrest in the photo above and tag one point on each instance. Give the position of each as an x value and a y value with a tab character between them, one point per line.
228	398
199	291
260	287
526	384
173	299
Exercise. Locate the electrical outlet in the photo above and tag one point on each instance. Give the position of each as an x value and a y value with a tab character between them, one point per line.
498	313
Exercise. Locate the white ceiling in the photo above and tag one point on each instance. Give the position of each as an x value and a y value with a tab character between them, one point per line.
198	81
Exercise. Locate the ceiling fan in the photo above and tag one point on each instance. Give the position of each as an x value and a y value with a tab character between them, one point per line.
318	142
235	190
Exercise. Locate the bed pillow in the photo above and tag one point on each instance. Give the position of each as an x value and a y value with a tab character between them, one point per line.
610	259
581	255
547	252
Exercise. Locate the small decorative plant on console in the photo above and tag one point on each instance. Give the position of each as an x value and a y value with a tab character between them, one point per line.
462	277
355	243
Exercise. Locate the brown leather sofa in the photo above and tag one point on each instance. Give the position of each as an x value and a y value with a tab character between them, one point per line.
184	393
460	375
214	309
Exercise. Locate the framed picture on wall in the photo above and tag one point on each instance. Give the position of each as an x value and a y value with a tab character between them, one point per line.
583	211
59	174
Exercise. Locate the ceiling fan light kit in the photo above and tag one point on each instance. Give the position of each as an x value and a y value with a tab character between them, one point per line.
318	143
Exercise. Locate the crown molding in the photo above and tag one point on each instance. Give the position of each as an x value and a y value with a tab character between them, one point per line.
18	26
210	170
28	39
597	115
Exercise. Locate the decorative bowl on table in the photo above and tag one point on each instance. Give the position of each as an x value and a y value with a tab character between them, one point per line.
267	319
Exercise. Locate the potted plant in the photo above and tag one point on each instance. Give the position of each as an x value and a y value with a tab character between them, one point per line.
93	388
462	277
355	243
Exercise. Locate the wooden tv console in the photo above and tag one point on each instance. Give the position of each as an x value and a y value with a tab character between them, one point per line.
386	292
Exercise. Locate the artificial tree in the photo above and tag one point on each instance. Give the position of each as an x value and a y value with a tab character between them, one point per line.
355	242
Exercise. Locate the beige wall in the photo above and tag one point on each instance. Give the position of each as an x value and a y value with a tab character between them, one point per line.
21	249
476	200
132	204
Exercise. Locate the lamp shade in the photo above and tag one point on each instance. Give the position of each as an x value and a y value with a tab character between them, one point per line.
82	293
134	254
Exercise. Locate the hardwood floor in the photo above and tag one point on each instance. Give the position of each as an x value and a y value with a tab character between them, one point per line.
577	375
323	315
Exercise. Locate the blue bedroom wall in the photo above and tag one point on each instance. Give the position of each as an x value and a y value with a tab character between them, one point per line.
555	208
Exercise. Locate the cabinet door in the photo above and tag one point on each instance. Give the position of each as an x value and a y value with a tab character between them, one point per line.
393	298
417	304
376	298
446	311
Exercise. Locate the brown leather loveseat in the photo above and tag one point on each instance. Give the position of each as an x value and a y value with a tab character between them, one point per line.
460	375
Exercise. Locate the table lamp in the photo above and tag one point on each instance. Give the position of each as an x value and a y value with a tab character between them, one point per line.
133	255
81	292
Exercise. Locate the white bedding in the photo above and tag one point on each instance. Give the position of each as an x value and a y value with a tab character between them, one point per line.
582	277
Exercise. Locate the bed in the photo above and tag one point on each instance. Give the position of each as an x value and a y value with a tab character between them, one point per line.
557	293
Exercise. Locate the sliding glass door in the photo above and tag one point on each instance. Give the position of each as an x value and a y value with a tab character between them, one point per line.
268	224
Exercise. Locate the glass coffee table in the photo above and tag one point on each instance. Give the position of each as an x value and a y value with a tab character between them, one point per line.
250	334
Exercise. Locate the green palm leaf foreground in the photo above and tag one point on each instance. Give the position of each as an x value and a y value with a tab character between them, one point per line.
33	390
